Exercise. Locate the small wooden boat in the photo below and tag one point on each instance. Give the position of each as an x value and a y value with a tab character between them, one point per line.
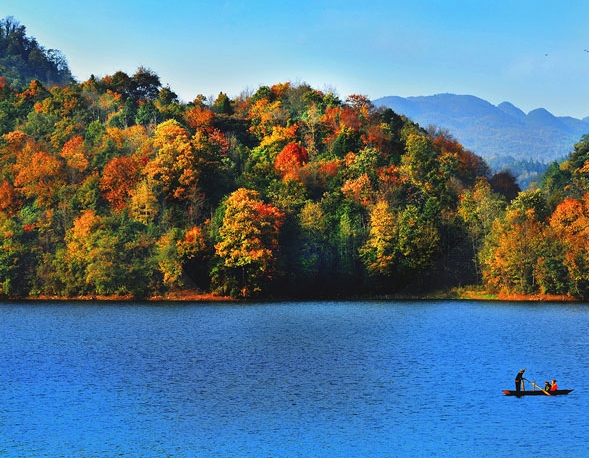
535	392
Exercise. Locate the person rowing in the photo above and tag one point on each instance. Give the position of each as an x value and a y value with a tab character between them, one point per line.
519	380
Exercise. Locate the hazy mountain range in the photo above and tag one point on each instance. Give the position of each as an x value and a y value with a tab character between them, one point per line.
503	135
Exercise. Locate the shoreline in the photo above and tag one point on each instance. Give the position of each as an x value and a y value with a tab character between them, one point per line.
197	296
176	296
475	294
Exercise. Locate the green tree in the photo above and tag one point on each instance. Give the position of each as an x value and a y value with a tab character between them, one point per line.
108	256
347	239
13	259
419	163
145	85
310	254
418	242
531	200
478	208
222	104
175	250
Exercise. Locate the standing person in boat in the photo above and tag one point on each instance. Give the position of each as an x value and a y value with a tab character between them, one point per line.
554	386
518	380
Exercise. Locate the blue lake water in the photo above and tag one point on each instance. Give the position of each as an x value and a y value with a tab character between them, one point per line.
367	379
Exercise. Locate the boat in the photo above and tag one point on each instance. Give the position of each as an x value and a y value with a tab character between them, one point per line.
535	392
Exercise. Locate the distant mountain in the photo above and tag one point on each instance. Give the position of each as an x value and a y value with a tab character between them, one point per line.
503	135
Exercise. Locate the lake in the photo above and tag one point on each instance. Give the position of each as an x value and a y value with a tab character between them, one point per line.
314	379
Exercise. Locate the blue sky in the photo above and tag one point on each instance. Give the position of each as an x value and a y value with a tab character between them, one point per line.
530	53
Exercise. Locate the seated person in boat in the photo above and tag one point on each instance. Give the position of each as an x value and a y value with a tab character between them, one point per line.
554	386
547	386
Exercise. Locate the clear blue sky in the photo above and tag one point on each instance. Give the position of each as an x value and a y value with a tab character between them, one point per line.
530	53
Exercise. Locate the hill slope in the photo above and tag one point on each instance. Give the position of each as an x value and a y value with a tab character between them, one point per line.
23	59
504	135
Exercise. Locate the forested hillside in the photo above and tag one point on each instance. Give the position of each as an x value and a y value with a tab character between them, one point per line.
22	59
505	136
112	186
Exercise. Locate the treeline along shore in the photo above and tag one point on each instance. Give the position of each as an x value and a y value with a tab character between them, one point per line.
113	187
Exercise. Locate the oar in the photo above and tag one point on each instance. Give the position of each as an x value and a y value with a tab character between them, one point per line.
541	389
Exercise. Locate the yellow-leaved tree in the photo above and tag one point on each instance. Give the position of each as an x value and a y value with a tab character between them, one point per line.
379	251
248	243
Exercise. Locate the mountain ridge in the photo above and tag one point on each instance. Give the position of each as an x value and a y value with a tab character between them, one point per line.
504	135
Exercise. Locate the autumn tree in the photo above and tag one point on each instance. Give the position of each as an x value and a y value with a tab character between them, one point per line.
199	117
513	251
264	115
144	202
119	178
115	186
341	127
106	143
40	178
311	129
379	253
173	168
290	160
75	154
248	243
463	164
570	223
8	198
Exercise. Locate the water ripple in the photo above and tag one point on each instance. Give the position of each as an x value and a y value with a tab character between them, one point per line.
302	379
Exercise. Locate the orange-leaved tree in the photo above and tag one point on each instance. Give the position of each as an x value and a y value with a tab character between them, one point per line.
40	177
288	162
119	178
570	223
74	153
513	256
